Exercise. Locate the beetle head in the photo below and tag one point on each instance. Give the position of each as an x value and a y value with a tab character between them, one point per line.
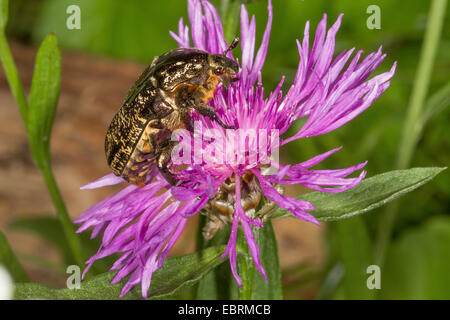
223	66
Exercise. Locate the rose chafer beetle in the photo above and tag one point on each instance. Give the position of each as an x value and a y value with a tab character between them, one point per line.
159	103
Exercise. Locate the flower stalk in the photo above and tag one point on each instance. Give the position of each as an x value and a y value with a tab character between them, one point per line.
63	215
247	268
412	126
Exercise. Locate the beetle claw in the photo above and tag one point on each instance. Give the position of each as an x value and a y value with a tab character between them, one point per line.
223	125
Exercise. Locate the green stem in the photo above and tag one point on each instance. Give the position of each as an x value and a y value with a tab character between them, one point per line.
247	269
217	283
67	225
414	122
200	241
411	129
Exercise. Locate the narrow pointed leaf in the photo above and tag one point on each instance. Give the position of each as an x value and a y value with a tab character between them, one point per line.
9	260
175	274
371	193
44	96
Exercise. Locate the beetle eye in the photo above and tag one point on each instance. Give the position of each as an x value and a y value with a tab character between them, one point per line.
218	71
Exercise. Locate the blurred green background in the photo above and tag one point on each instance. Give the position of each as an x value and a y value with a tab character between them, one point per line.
418	260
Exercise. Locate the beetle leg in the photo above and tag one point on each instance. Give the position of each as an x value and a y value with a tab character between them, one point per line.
211	113
163	161
159	138
187	120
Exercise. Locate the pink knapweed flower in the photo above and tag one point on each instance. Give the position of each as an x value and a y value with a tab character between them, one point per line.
143	223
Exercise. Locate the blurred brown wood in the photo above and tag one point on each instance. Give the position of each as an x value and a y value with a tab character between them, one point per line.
92	90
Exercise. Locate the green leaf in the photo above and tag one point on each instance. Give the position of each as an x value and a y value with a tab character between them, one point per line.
268	248
49	229
371	193
44	96
10	262
3	14
354	252
9	65
417	264
176	273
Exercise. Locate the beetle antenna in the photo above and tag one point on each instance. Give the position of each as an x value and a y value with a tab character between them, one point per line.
233	45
